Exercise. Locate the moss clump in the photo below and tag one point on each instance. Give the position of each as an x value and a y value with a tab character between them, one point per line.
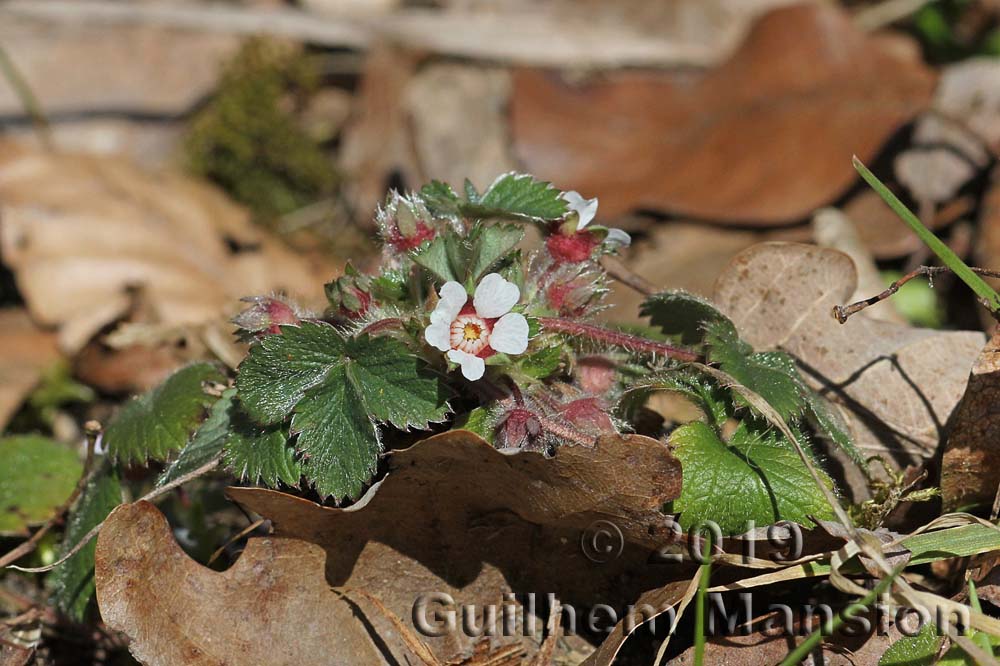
248	138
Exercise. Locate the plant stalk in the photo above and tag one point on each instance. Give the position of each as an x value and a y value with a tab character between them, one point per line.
617	338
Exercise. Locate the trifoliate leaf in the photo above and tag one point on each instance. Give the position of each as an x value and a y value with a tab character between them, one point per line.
440	199
259	454
72	582
772	375
757	476
158	423
518	196
491	244
278	370
338	388
205	444
680	314
37	475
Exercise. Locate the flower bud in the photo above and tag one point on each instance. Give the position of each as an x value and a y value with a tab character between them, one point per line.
404	224
350	294
266	315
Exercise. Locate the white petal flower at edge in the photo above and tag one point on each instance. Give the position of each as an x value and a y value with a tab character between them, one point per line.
586	211
470	333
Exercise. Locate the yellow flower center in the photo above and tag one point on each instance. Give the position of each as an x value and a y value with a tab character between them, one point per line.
472	332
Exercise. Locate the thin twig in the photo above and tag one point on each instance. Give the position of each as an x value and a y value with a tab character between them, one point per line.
233	539
842	312
880	15
619	271
93	432
150	496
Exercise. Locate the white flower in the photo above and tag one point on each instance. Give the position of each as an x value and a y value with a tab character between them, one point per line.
586	211
471	333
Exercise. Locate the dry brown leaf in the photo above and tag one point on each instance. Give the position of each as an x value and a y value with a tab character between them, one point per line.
25	353
763	139
74	68
970	469
899	384
458	118
456	516
83	233
272	607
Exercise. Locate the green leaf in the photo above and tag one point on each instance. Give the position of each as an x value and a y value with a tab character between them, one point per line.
37	475
919	650
471	193
339	388
542	363
944	253
755	476
772	375
390	286
158	423
259	454
206	443
680	314
519	196
828	423
72	582
491	244
438	256
704	393
278	370
440	199
478	421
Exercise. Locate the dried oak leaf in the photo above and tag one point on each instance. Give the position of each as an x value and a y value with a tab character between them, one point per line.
970	469
763	139
25	353
899	384
272	607
456	516
81	233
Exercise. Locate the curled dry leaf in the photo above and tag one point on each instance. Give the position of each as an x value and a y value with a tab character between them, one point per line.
805	91
25	353
970	469
81	233
458	517
272	607
898	384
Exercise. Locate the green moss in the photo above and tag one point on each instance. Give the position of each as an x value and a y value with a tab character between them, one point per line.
248	138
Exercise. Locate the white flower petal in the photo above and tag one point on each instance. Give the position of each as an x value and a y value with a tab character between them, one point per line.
495	296
586	209
510	334
452	299
473	367
618	237
438	335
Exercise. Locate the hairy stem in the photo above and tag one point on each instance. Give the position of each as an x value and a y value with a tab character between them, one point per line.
381	325
617	338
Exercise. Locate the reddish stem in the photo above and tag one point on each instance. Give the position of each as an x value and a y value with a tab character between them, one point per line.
617	338
381	325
